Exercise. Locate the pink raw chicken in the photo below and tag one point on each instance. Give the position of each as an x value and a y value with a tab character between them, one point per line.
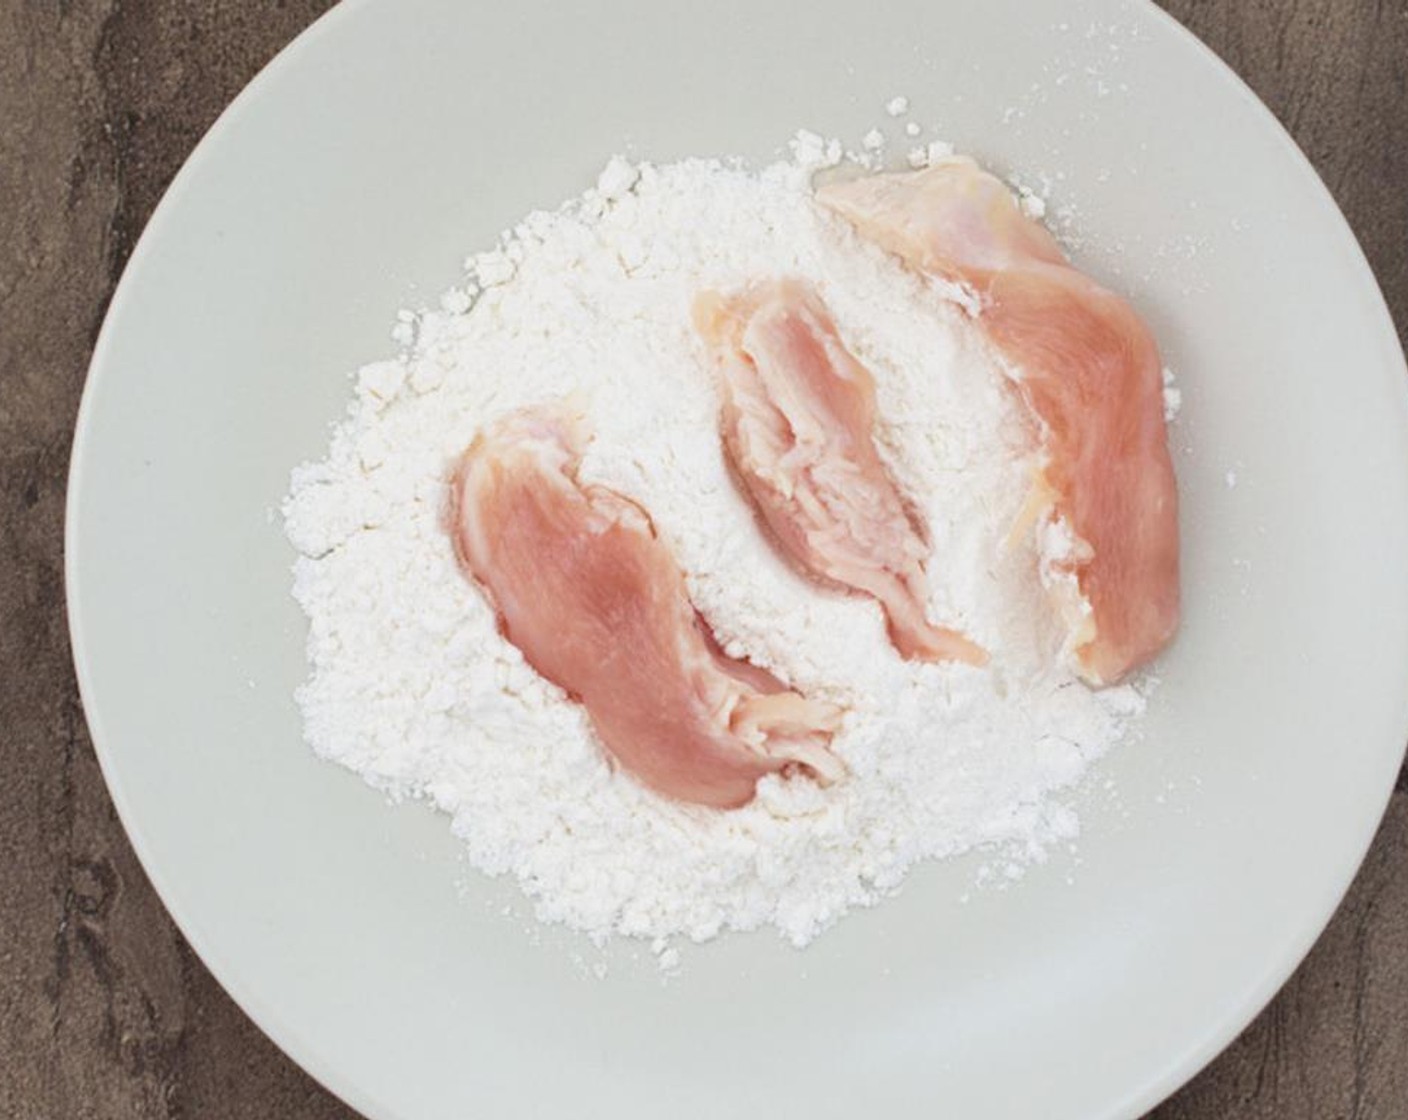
594	600
798	424
1086	366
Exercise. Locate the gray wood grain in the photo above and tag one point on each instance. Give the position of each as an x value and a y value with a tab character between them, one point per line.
104	1010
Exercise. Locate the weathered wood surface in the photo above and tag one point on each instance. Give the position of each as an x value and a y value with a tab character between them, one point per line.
104	1011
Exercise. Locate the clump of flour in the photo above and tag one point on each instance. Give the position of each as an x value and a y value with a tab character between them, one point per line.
412	686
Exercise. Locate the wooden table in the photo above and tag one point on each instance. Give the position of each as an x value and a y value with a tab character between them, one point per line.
104	1010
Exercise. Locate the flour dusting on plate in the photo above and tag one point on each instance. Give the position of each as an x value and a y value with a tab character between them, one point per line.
413	687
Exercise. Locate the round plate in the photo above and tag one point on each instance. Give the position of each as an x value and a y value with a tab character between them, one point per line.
351	179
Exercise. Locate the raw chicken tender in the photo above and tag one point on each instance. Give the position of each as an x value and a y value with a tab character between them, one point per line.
1089	371
594	600
798	425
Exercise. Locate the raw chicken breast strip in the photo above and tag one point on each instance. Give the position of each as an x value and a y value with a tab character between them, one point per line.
593	598
1087	368
798	423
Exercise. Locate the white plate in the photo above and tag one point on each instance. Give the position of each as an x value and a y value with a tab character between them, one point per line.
352	177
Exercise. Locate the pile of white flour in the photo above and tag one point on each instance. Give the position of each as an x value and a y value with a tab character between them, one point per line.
413	687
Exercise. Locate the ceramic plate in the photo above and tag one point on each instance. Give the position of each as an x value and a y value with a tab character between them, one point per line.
351	179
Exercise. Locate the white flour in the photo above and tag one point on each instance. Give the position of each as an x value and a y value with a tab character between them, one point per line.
413	688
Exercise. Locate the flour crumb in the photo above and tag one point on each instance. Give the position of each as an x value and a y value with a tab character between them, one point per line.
912	129
1173	397
813	152
493	268
1032	204
667	957
873	140
936	151
616	178
897	106
456	301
